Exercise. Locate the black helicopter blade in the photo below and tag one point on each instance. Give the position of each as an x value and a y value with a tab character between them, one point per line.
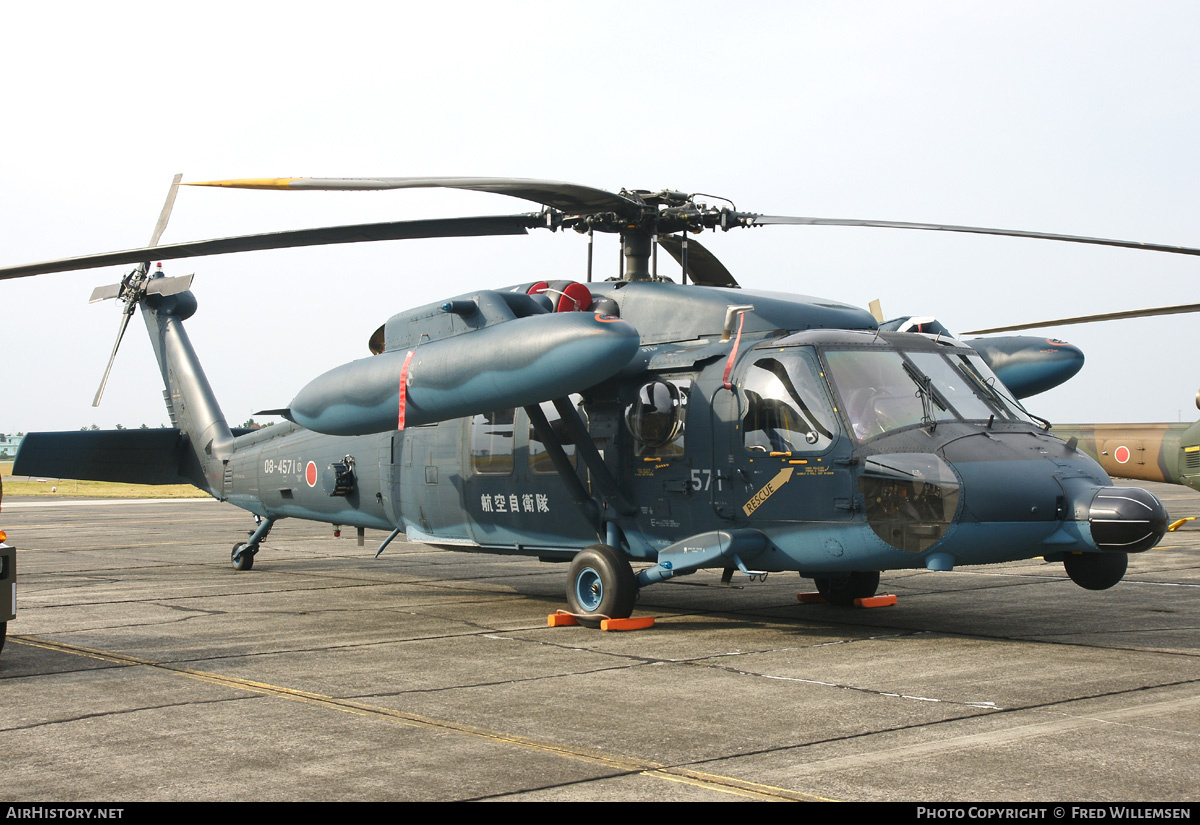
125	316
1178	309
567	197
703	267
769	220
398	230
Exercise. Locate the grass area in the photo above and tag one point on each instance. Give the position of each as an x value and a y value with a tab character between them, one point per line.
92	489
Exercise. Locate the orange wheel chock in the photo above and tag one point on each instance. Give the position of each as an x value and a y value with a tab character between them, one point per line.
561	619
639	623
873	601
876	601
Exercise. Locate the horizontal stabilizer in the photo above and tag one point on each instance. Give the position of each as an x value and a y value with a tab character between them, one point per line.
125	456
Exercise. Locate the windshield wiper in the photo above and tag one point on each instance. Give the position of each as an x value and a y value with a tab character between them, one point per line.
926	393
1001	400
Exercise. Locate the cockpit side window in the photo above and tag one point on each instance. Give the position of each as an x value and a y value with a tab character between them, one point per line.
787	406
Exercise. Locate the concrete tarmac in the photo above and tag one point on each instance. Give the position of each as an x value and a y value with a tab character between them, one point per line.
141	666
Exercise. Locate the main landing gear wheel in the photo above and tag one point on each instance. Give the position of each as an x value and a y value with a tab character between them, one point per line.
1096	571
843	590
242	558
600	585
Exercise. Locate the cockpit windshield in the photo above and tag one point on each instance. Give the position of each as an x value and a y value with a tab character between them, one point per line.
885	389
978	372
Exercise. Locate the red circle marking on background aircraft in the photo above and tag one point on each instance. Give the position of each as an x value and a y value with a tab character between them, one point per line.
1121	454
310	474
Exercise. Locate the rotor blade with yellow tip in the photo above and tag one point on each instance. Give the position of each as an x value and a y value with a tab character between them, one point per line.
568	197
248	183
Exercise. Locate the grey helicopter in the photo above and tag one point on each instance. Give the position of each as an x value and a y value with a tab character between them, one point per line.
636	429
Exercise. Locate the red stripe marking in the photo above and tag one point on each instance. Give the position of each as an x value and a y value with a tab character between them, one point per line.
403	390
733	352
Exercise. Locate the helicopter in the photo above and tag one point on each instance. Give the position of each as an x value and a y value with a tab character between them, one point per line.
632	421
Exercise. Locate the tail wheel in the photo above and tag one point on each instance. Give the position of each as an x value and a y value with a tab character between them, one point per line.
600	585
242	558
1096	571
843	590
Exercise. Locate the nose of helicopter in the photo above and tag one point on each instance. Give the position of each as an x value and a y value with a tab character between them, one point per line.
1060	489
989	503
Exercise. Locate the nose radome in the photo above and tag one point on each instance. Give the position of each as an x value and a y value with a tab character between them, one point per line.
1126	519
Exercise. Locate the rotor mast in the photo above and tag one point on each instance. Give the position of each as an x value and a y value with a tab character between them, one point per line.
636	246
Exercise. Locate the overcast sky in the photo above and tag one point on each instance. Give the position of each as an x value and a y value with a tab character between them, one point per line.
1071	117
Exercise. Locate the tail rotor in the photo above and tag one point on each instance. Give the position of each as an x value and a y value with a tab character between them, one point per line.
139	283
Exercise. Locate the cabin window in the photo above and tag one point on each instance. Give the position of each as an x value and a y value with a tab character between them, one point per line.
656	419
492	443
787	406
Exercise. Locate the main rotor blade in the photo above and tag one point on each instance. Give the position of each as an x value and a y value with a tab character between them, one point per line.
165	214
767	220
703	267
1178	309
568	197
358	233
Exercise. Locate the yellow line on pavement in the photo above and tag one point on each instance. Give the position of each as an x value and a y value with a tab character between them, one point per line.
712	782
